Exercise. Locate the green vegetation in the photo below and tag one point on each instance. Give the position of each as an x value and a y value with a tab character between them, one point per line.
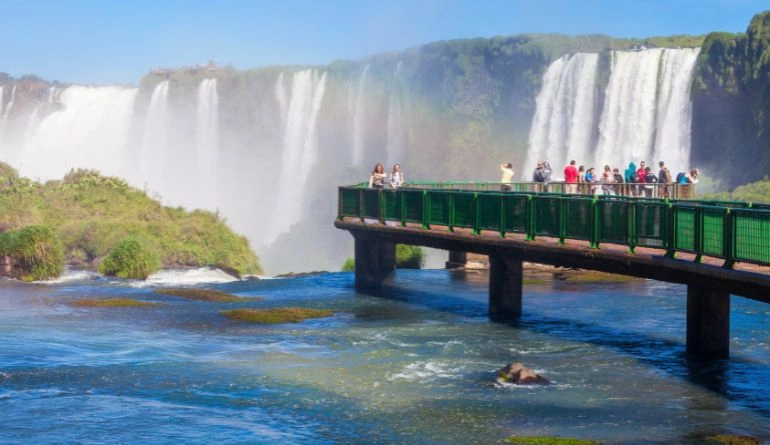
349	265
113	302
277	315
409	257
537	440
204	295
91	214
756	192
130	259
36	251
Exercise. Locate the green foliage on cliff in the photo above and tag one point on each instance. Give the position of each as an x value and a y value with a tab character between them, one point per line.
91	214
756	192
37	252
130	259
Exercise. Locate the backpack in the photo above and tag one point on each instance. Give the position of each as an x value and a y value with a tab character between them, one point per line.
680	178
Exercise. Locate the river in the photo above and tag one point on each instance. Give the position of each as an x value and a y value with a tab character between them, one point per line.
415	367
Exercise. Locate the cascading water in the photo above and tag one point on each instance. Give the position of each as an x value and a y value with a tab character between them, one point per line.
646	112
7	111
207	142
396	146
299	154
358	124
155	140
562	127
89	131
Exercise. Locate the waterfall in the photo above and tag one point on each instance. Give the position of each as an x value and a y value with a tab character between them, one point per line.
562	127
88	131
395	144
674	111
646	112
280	97
300	151
207	141
359	121
154	139
7	111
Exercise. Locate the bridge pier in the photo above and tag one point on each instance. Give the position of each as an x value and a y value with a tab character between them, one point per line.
708	321
505	287
456	259
375	261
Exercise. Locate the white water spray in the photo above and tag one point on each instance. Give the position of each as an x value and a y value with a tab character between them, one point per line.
395	146
154	140
207	142
359	132
300	146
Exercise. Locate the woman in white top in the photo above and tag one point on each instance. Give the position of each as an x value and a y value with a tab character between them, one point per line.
377	180
396	178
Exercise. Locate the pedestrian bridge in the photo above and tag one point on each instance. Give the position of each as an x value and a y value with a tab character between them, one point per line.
715	248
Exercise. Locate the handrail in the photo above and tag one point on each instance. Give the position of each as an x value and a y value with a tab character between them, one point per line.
731	231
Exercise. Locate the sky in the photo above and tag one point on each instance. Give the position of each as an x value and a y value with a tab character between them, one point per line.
118	41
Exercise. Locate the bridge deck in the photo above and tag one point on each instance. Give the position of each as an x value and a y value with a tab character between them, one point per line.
744	279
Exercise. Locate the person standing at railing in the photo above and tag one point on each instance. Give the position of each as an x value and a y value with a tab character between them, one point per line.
649	180
396	177
571	177
631	177
377	180
608	180
542	174
590	179
618	181
581	179
664	178
507	178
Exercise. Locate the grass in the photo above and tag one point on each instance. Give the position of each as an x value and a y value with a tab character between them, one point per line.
277	315
204	295
112	302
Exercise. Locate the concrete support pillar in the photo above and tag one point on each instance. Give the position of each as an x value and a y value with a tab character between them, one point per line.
375	261
457	259
708	321
505	288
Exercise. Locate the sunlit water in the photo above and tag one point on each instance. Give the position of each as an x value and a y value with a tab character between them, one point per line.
416	367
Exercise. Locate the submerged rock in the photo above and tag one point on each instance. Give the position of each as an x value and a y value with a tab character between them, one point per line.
519	374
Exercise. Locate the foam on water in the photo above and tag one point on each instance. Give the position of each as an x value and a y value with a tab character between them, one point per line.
182	277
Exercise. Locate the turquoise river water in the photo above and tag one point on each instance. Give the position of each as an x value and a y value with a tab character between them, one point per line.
417	367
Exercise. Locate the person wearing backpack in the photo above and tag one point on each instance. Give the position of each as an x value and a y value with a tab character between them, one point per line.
649	180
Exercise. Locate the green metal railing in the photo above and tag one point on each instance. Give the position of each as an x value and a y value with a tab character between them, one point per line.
733	231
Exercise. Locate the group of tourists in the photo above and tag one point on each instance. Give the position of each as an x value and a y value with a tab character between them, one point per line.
379	178
634	181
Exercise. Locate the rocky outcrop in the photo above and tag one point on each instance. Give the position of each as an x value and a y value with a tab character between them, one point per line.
519	374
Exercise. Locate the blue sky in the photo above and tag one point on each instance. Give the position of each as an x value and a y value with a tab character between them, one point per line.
118	41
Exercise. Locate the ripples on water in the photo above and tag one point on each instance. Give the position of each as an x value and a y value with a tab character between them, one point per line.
416	367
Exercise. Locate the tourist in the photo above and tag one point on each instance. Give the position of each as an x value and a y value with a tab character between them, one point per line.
664	177
396	177
507	179
377	180
618	181
649	180
590	179
581	179
571	177
542	174
608	179
692	177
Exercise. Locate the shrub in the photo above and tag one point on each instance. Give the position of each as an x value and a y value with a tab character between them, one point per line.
37	252
409	257
130	259
349	265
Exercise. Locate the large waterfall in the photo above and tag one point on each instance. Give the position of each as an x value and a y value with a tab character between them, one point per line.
207	142
646	112
300	149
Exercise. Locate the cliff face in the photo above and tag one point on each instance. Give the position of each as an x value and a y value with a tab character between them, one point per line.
731	104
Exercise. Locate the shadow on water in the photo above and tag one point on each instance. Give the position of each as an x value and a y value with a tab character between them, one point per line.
736	379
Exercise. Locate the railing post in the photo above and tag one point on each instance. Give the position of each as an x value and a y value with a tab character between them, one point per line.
530	217
698	233
562	219
670	238
477	214
631	221
425	210
596	231
502	216
728	240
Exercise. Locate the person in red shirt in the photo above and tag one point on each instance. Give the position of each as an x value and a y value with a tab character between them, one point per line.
640	174
571	177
